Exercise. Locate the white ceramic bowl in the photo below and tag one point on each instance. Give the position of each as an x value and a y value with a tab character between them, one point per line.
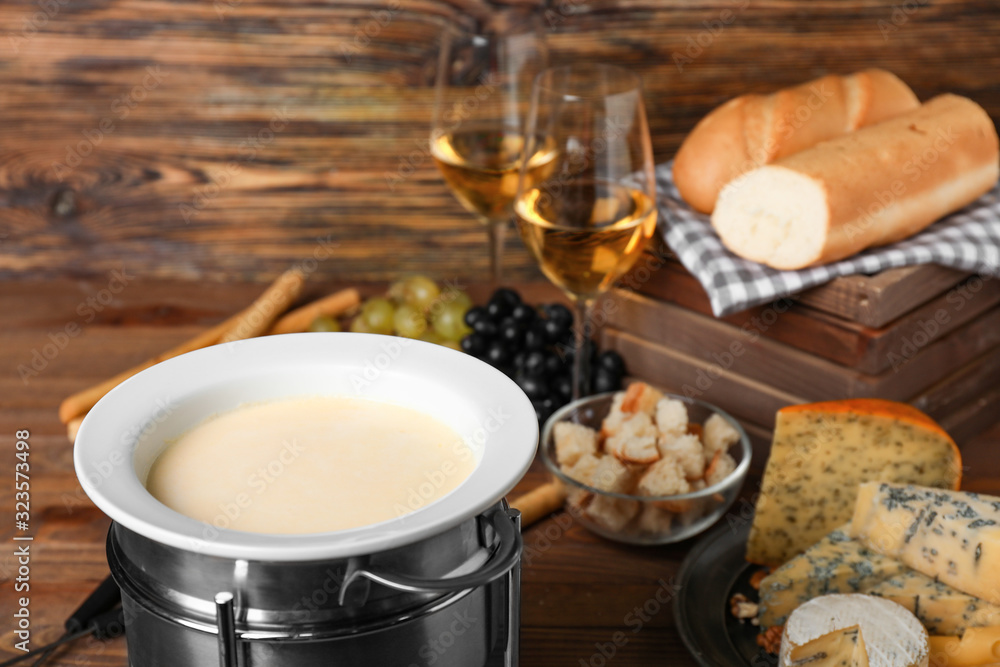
129	427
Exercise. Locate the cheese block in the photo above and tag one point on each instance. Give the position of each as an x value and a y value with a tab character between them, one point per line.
978	646
952	536
835	564
839	564
822	451
942	609
853	630
840	648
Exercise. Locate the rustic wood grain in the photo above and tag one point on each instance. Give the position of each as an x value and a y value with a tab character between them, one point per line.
169	106
875	301
932	307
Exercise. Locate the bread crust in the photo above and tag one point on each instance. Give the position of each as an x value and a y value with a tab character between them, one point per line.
754	130
875	186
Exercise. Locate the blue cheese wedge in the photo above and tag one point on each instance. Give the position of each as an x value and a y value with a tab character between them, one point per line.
853	631
950	536
839	564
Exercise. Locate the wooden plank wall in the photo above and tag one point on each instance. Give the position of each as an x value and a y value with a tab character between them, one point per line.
219	139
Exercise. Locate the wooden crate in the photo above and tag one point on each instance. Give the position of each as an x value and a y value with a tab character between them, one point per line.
924	335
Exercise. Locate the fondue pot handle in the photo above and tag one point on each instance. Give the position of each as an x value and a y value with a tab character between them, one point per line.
505	556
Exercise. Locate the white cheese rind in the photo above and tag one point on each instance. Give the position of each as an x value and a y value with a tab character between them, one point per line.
893	637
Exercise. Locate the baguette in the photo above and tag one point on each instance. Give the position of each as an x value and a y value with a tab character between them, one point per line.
874	186
753	130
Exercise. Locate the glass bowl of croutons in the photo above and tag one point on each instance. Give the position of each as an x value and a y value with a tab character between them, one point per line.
646	467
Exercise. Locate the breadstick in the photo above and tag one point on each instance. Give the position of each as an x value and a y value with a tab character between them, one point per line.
332	305
540	502
262	313
79	403
73	427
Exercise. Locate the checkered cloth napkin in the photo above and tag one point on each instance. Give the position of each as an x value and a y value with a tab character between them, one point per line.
968	240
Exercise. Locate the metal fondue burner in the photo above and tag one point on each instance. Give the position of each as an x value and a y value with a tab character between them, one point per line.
452	599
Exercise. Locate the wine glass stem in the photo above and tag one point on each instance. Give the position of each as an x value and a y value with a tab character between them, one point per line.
581	357
496	229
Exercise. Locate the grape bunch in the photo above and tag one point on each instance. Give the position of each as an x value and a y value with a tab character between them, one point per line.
414	307
535	347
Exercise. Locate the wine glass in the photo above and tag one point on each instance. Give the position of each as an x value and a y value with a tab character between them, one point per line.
484	81
587	220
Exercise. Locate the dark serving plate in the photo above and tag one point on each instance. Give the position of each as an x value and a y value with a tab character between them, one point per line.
712	573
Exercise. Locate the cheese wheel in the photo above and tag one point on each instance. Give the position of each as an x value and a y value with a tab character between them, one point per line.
853	631
874	186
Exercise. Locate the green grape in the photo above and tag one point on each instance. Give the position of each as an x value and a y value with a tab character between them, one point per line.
358	325
324	323
431	336
459	297
420	292
448	321
397	291
409	321
377	313
453	344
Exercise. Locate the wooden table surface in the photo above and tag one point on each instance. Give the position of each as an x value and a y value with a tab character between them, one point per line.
578	589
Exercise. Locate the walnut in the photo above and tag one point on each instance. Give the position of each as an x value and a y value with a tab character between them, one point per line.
741	607
758	577
770	639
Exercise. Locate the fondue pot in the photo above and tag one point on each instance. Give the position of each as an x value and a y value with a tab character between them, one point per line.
437	586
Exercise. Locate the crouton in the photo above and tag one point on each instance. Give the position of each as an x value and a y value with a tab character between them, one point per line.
719	434
612	475
583	469
721	467
612	423
664	478
671	417
687	449
654	520
640	397
635	441
573	441
612	513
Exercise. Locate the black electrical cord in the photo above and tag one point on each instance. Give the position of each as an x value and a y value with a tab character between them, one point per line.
99	615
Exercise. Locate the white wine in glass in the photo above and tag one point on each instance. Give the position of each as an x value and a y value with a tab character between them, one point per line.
589	217
477	138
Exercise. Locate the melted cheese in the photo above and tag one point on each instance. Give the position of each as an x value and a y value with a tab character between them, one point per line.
309	465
